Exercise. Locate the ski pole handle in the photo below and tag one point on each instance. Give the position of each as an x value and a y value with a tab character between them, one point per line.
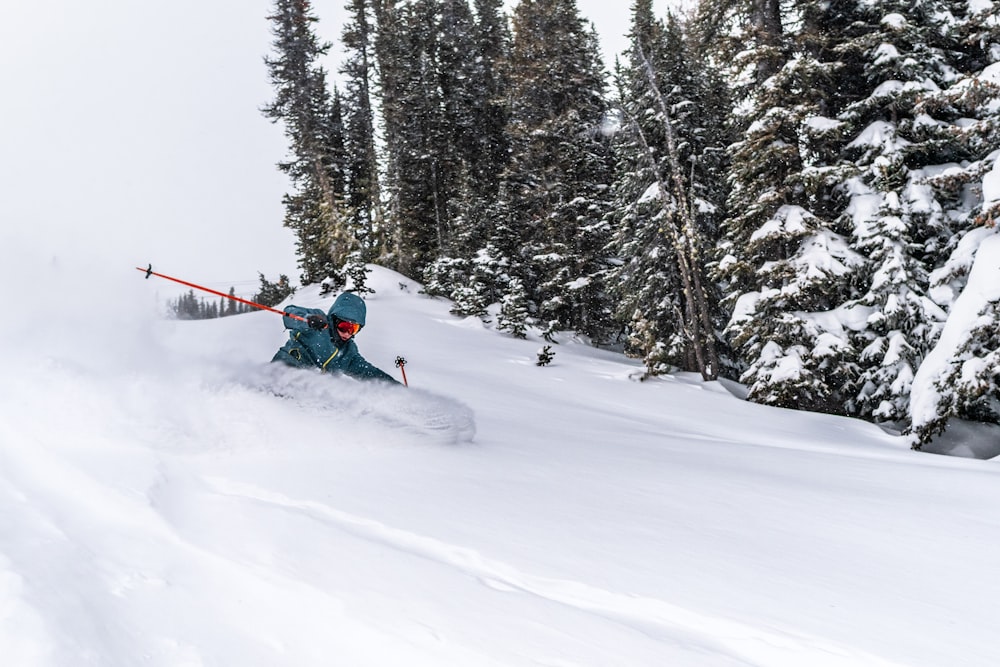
401	365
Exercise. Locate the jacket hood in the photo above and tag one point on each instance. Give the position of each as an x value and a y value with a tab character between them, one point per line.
349	306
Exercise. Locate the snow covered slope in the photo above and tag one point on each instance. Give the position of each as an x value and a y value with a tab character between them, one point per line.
169	498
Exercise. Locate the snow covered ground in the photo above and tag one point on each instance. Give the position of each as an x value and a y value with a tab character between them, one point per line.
161	505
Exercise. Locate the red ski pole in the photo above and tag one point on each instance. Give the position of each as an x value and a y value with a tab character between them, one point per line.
150	272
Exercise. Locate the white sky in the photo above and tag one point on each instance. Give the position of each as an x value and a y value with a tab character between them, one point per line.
159	505
130	133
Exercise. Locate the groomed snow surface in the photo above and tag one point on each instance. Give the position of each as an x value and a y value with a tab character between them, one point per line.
169	498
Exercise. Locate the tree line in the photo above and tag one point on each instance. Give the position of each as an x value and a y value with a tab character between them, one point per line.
189	306
786	193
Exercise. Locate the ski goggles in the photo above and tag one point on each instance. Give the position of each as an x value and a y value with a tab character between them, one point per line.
348	328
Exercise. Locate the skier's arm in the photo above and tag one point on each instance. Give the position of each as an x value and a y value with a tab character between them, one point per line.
359	367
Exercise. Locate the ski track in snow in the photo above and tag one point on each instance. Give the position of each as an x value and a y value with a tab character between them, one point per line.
658	619
121	549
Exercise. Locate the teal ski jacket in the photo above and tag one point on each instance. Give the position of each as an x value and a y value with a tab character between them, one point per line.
324	349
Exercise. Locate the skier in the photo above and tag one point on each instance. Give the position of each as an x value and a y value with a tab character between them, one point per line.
327	341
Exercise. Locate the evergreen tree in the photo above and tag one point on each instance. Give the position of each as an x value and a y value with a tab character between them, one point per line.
747	35
513	316
421	154
312	122
659	260
465	270
959	375
845	206
189	306
424	161
473	119
545	356
963	381
364	199
490	149
555	189
786	261
900	222
272	293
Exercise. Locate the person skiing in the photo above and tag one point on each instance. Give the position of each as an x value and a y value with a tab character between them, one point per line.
326	341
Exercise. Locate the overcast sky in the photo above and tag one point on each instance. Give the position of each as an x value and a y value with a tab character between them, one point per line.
130	133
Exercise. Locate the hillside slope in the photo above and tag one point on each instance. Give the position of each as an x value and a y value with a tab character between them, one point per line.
167	497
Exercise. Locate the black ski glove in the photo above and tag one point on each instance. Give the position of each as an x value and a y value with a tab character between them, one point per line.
317	322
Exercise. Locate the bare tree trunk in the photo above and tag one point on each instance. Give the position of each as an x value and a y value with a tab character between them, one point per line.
392	118
765	21
439	219
338	239
692	322
685	238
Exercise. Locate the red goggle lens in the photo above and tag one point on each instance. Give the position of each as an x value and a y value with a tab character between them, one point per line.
348	328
